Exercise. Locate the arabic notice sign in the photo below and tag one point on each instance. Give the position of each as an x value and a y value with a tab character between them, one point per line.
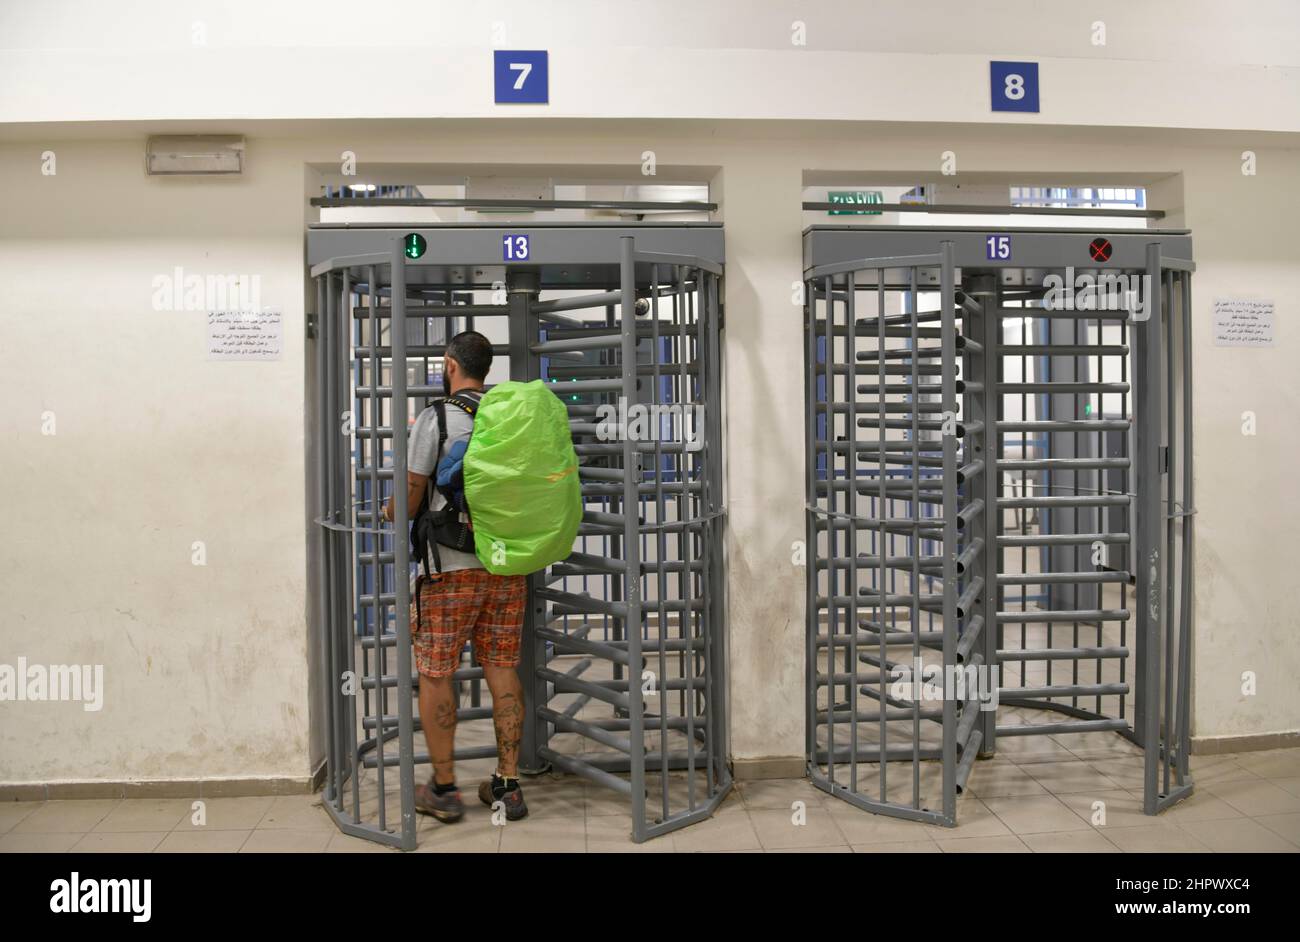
1243	322
245	335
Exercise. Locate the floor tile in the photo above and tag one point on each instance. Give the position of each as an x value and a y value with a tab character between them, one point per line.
1286	825
1035	814
1289	785
1119	808
341	843
283	840
544	835
1238	835
38	842
898	847
1155	838
67	816
1002	780
11	812
1201	805
973	820
780	794
612	833
119	842
1251	797
1006	844
146	814
728	830
1272	763
464	837
229	814
1069	842
1062	778
297	812
863	827
202	842
776	829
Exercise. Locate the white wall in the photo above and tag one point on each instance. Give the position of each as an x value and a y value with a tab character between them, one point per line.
155	448
207	667
1166	63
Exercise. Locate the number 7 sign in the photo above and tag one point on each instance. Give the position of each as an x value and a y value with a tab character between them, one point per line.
519	76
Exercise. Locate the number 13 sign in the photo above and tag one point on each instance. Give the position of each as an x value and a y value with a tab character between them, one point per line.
1014	86
519	76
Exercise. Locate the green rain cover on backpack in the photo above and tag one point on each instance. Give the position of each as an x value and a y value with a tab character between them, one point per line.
521	480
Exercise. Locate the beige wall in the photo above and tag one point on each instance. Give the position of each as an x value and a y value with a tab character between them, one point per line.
207	667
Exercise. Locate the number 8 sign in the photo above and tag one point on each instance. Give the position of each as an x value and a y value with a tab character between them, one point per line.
1013	86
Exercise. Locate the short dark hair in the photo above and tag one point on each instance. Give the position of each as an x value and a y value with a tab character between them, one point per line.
473	352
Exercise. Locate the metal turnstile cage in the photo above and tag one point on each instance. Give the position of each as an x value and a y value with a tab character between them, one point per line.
999	503
624	645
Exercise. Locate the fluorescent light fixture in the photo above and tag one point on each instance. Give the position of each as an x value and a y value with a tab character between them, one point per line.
194	154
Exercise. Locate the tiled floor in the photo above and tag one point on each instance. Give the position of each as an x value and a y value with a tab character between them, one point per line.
1043	797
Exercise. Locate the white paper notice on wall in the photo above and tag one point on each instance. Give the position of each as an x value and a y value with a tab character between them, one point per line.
245	335
1243	322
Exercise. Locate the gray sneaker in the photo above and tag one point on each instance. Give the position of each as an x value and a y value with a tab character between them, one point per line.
446	807
494	790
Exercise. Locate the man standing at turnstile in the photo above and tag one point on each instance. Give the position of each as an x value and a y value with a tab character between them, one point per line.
458	601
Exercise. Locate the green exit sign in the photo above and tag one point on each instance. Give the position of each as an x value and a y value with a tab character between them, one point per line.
856	198
415	245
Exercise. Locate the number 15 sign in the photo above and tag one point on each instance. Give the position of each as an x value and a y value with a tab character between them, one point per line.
519	76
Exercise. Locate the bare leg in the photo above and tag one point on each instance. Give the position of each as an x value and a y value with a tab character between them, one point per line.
507	716
438	717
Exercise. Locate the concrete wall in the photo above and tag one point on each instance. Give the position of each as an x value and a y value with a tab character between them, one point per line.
207	667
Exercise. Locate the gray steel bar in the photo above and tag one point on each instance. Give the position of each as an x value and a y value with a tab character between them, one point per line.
325	587
982	210
812	555
950	582
1186	588
523	325
523	206
401	549
631	543
914	510
1147	563
1053	729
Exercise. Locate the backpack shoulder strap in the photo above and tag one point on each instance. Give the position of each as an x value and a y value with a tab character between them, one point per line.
466	401
440	410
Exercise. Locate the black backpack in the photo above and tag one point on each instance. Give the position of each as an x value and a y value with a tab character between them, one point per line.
432	528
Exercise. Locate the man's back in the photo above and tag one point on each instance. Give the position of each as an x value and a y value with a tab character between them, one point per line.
422	458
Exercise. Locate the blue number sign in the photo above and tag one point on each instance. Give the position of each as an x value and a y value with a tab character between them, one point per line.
1013	86
520	77
514	248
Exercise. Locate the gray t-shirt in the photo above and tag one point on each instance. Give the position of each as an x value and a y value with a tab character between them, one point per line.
422	458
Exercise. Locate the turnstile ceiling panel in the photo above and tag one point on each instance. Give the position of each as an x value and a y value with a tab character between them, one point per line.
1027	249
468	254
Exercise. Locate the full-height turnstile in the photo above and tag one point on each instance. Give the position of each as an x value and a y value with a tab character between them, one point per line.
624	646
999	497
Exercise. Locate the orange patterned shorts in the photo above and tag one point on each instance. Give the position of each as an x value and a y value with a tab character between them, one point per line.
467	605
